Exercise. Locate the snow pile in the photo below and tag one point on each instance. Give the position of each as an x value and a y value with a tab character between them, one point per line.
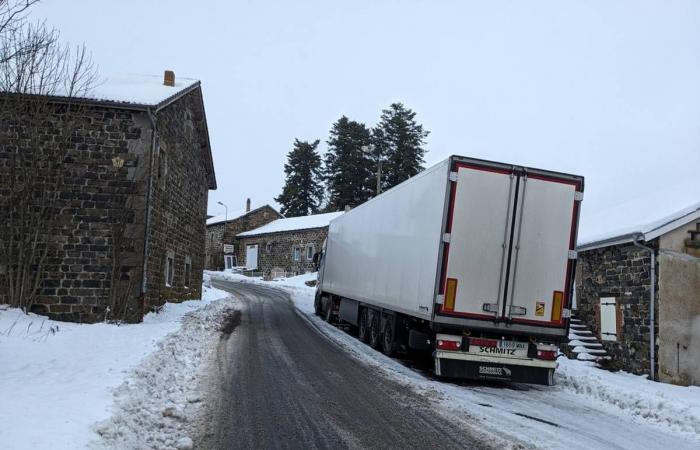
677	407
294	223
159	403
56	378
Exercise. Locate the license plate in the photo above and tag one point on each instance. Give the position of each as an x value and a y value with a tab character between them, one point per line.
510	349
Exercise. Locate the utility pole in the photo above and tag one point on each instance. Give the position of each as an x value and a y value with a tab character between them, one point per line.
369	149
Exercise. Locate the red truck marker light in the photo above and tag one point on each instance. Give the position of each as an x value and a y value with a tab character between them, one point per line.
480	342
547	355
447	345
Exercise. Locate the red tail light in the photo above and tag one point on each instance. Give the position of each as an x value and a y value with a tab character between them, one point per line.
481	342
447	345
548	355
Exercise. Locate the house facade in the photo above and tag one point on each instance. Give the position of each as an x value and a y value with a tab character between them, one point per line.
126	223
221	242
284	247
615	281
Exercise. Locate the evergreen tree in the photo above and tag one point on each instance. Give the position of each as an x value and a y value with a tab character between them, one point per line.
399	141
348	170
303	189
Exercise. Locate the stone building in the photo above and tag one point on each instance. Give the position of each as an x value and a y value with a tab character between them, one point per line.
285	246
126	226
614	295
221	242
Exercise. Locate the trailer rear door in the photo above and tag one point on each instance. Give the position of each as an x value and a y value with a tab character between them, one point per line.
509	234
544	233
479	230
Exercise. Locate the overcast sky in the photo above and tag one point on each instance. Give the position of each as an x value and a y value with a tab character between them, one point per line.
608	90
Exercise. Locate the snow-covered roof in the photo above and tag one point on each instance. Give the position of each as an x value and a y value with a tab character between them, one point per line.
136	90
636	218
233	215
293	223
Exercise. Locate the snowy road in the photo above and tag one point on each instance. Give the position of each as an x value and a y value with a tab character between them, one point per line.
588	408
281	384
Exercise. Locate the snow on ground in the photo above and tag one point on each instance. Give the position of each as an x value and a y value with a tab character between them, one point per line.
57	378
587	408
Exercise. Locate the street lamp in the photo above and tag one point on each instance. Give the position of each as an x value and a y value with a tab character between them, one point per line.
226	213
369	149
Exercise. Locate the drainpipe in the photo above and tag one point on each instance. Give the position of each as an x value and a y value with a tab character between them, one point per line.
652	302
149	206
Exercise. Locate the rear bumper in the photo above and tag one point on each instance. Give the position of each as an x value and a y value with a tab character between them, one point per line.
465	365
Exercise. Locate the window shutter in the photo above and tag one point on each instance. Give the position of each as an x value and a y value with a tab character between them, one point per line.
608	319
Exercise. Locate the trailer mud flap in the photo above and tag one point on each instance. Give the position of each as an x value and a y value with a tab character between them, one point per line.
477	370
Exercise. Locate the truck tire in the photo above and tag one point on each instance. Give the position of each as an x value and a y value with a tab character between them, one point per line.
389	338
375	331
318	306
328	314
363	326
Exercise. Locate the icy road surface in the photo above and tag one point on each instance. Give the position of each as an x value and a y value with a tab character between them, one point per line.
281	384
588	409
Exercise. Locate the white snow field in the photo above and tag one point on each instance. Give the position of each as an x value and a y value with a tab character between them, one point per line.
588	408
70	386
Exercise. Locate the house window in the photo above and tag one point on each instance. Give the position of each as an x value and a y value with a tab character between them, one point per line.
188	271
608	319
169	269
268	248
310	252
297	253
230	261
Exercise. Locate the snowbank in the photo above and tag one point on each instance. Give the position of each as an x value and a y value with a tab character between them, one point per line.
677	407
587	408
57	378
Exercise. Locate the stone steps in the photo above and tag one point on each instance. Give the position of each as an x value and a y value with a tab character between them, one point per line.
584	345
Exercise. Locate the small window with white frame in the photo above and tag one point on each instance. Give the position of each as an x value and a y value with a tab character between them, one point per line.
310	252
169	268
296	253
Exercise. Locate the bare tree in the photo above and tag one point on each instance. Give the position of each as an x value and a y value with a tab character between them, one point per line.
40	78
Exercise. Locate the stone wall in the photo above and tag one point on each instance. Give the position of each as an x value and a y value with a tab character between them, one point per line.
276	250
97	213
219	234
623	272
96	227
179	198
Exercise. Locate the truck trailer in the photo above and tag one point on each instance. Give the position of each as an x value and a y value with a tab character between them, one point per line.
470	260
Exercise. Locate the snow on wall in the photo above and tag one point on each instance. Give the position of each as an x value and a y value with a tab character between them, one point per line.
294	223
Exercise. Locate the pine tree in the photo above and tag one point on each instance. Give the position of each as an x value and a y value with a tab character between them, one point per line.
302	193
348	170
399	141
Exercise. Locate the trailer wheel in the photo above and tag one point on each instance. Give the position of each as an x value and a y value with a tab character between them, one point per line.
550	377
363	326
328	316
318	306
389	340
375	331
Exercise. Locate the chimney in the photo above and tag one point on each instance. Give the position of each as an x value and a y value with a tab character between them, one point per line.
169	78
247	205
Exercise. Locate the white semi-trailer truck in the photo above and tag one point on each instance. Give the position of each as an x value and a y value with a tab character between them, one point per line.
472	260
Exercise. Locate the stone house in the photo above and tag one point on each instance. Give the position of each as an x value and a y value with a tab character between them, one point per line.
614	282
285	246
221	242
127	228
